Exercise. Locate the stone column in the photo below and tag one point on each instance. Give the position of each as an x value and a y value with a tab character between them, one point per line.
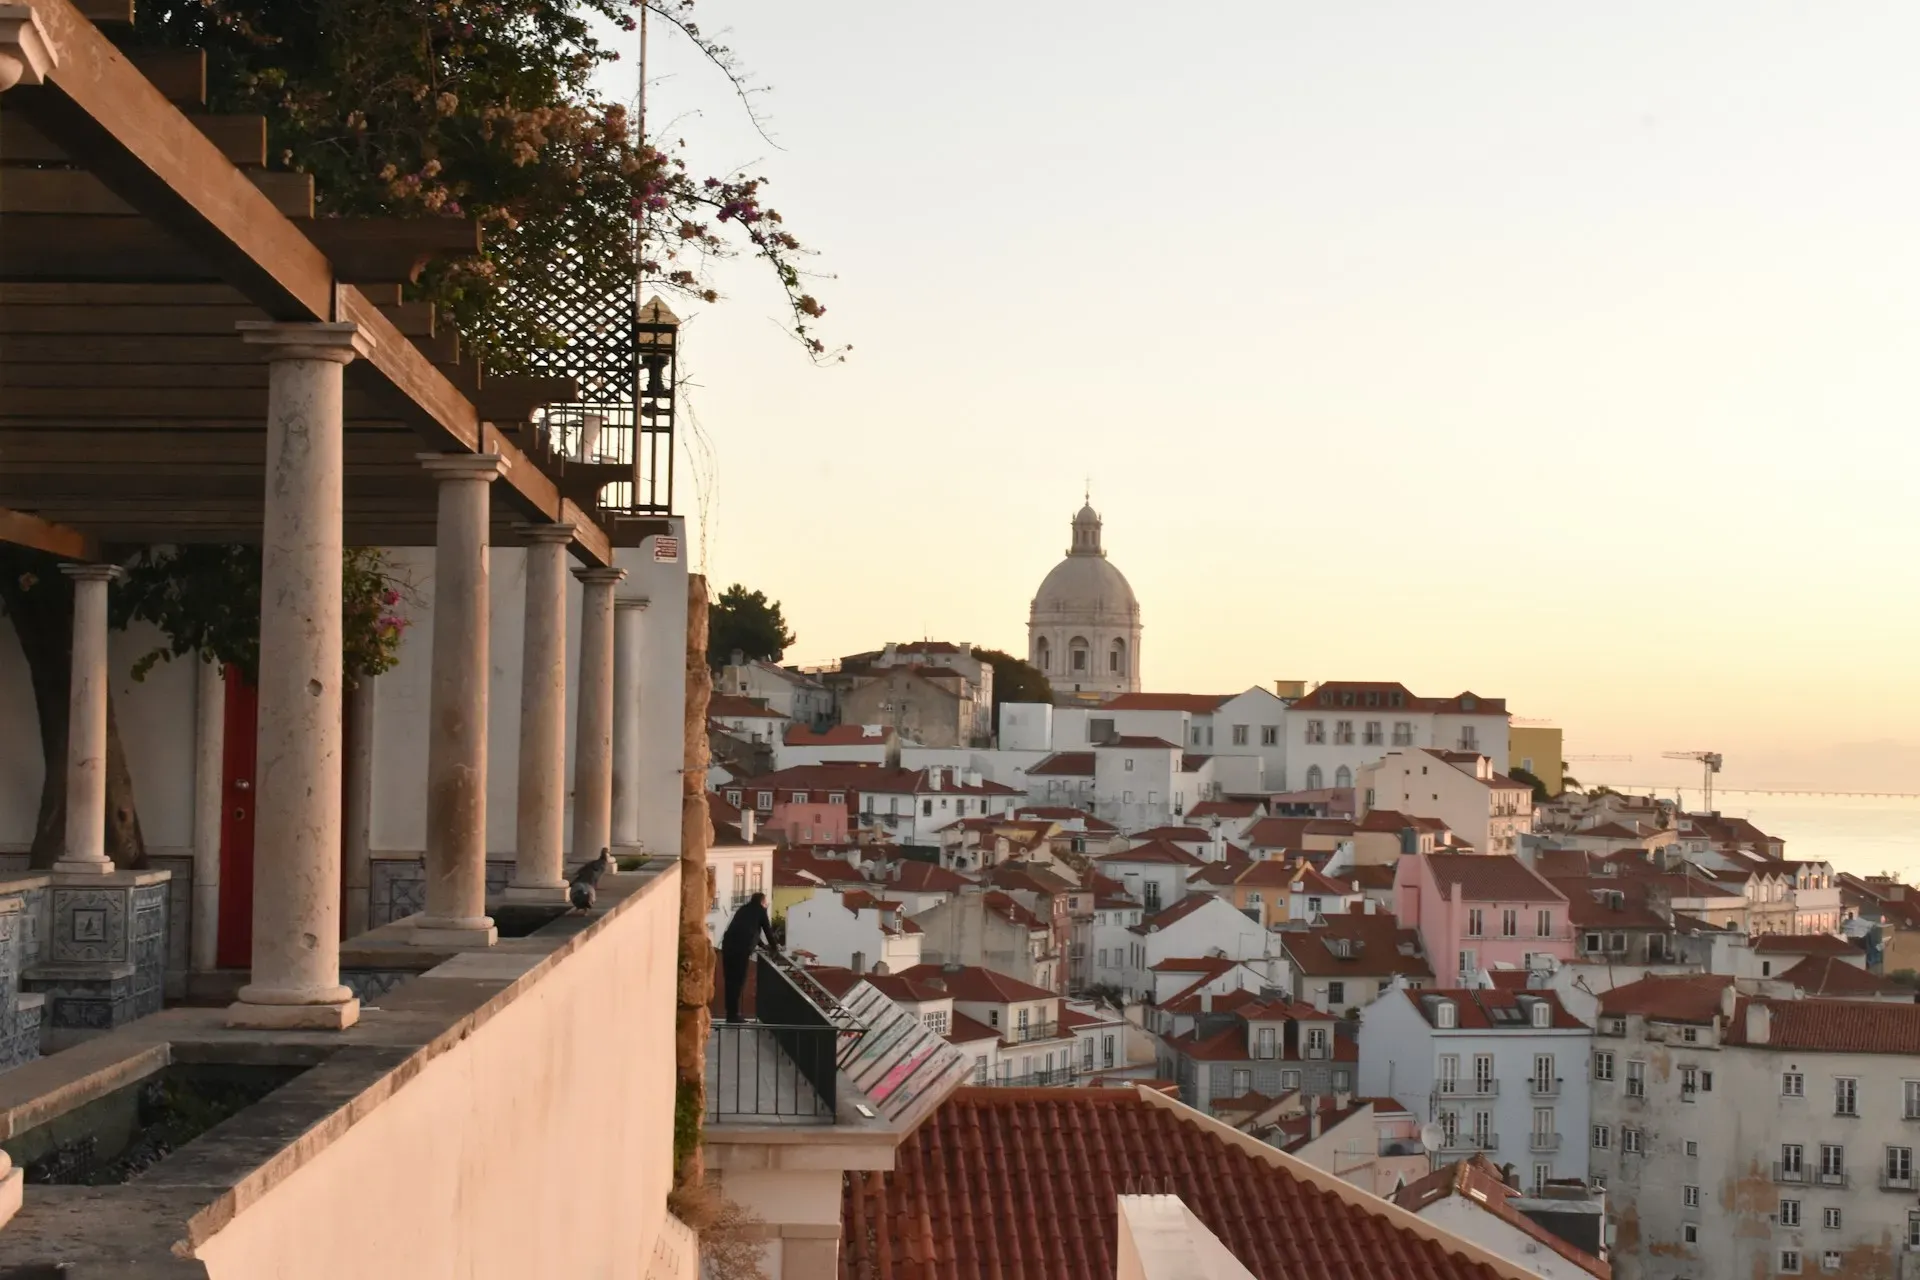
296	887
85	852
538	870
209	805
628	636
456	911
357	839
593	717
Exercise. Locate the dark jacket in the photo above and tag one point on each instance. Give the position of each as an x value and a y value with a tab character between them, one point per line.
749	924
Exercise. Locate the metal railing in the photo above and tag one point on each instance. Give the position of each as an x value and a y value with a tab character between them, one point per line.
1543	1088
1467	1089
781	1067
1837	1178
1783	1174
1039	1079
1545	1142
1896	1182
1034	1031
1471	1142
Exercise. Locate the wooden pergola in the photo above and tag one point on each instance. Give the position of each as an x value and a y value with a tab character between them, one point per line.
136	231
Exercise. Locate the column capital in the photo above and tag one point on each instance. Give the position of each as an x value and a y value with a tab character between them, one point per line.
558	531
600	577
25	54
632	602
484	467
306	340
93	572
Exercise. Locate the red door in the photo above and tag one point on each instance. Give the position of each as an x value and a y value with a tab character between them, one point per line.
236	823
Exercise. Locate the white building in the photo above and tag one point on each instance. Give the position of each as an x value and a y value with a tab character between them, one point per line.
1501	1072
796	695
1745	1136
1083	632
1487	810
737	869
1034	1047
1201	925
746	719
835	744
1341	727
854	930
1470	1199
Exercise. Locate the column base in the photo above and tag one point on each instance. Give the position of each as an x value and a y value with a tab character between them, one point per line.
85	867
475	932
294	1017
538	894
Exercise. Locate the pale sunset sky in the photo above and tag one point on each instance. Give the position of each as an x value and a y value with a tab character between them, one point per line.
1566	353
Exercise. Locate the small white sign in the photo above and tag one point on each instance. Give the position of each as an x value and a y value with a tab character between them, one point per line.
666	550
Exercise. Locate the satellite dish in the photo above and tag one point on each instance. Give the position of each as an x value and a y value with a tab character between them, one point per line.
1431	1136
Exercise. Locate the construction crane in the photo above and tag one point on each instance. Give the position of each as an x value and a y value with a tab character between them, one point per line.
1571	759
1710	762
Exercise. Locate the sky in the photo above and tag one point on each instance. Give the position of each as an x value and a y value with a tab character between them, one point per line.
1563	353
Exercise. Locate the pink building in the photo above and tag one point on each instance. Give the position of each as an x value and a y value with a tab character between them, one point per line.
1478	911
808	822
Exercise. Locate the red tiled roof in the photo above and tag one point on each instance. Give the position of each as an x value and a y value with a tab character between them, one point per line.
1024	1184
1028	877
1221	875
1686	997
1073	1020
721	705
964	1030
1179	835
1475	1008
839	735
976	983
1136	740
1374	947
1833	1026
1158	851
902	989
1590	903
1371	876
1197	703
719	810
1011	911
1071	764
1189	1002
1804	944
1175	913
1394	822
1612	831
1292	833
1833	976
1489	878
1225	809
1476	1181
1194	964
911	875
1064	814
1330	697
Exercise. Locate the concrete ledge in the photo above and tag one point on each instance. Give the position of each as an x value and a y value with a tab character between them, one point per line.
159	1219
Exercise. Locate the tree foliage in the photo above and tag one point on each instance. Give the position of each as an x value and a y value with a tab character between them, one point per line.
1014	679
485	109
748	623
1540	795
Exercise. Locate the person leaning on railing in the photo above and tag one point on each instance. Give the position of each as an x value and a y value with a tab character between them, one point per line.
749	924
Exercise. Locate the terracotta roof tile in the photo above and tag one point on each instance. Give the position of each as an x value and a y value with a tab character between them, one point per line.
1477	1181
1064	814
1491	1009
839	735
1833	1026
975	983
1489	878
964	1030
1376	947
1833	976
1068	764
1196	703
1804	944
1157	851
1685	997
1225	809
1291	833
911	875
1141	741
1179	835
1178	911
1024	1185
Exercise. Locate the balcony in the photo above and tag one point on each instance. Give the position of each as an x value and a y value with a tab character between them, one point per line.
1896	1182
1467	1089
1540	1088
1468	1143
1834	1178
1544	1142
781	1068
1781	1173
1033	1031
1059	1077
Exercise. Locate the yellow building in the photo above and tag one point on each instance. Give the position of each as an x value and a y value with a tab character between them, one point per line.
1536	747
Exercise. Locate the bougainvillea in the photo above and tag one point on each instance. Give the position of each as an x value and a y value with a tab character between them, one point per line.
485	109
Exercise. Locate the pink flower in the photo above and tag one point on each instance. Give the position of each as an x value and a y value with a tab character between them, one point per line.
389	597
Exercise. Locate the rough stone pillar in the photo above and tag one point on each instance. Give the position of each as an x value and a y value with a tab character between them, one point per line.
85	852
456	909
628	637
593	718
357	839
209	793
296	887
696	832
538	870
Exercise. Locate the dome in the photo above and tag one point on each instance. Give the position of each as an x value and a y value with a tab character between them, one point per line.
1085	588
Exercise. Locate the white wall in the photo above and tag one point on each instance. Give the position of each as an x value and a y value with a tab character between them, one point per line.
1496	1235
1026	726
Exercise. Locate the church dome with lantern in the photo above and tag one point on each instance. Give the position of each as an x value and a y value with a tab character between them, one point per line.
1084	629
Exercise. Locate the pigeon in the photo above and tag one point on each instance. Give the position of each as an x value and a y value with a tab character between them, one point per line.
580	891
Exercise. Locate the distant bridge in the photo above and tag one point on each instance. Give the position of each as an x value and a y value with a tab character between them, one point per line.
1762	791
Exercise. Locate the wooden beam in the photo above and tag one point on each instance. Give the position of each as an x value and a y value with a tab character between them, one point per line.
180	74
24	530
387	250
117	13
241	139
513	400
211	320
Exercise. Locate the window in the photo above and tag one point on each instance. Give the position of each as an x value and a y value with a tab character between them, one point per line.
1510	923
1690	1233
1629	1140
926	808
1343	733
1690	1197
1833	1163
1693	1148
763	800
1793	1085
1543	1074
1316	1042
1263	1043
1313	906
1830	1219
1449	1073
1689	1034
1475	925
1103	958
1342	1082
1602	1066
739	884
1910	1090
1316	731
1602	1137
1846	1096
1599	1181
1830	1260
1289	1080
1269	735
1541	1174
1913	1231
1402	733
1636	1079
1900	1168
1336	991
1790	1261
936	1021
1591	943
1240	735
1443	1012
1790	1160
1315	778
1374	737
1469	961
1242	1082
1789	1213
1543	923
1106	1051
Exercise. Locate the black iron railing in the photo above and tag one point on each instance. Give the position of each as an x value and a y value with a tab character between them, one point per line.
782	1066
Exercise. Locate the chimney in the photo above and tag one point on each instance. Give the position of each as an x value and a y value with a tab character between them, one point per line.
933	778
749	820
739	658
1313	1120
1206	1002
1727	996
1342	1100
1759	1023
1370	905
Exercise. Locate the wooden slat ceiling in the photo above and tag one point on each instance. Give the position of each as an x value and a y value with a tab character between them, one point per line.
133	238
